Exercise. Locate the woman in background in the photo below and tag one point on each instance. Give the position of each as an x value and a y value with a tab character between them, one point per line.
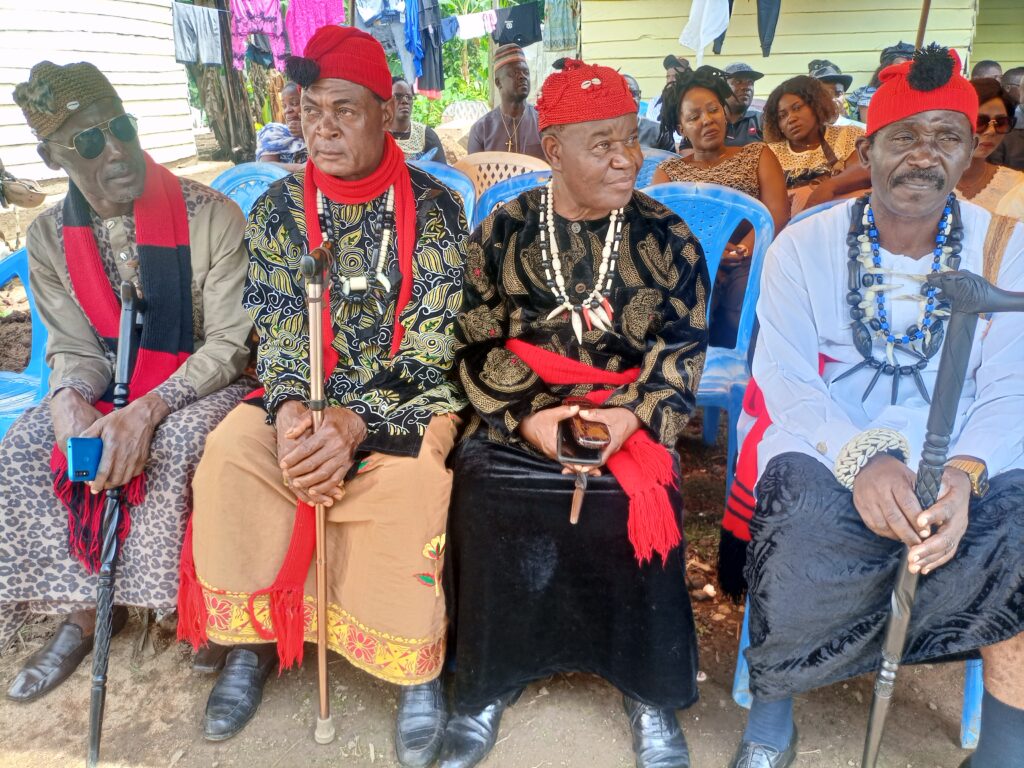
695	107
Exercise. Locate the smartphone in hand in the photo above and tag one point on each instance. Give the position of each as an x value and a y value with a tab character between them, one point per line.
83	458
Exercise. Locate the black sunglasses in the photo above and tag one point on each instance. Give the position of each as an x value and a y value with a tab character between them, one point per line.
90	142
1001	123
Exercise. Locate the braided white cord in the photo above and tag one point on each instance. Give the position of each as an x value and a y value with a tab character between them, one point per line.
862	448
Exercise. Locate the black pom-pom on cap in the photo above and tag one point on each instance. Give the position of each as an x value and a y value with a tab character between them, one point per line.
302	71
932	68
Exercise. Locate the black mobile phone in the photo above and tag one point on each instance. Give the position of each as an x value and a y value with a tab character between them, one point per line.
570	452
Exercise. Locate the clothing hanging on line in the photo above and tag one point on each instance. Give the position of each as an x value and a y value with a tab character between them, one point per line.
767	20
519	24
474	25
249	17
304	17
390	33
560	27
449	28
196	34
708	19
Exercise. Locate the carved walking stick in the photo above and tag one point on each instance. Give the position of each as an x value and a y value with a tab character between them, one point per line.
130	312
968	295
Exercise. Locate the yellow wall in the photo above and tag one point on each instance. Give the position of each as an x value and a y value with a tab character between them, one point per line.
637	34
1000	33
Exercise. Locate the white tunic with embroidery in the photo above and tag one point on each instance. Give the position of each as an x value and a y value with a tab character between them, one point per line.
803	314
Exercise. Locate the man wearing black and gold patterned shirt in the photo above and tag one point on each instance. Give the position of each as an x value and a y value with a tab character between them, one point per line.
581	288
392	293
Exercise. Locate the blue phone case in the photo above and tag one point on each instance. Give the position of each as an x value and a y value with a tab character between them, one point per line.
83	458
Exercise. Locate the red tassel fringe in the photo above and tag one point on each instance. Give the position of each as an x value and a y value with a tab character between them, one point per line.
192	614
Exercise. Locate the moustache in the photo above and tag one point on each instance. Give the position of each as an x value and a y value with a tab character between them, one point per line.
936	179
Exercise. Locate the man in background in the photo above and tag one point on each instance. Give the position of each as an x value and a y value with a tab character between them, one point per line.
512	125
649	131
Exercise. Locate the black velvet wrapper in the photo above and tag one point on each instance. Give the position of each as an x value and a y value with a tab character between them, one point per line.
820	581
534	595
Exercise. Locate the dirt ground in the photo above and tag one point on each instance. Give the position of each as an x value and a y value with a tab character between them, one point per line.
155	702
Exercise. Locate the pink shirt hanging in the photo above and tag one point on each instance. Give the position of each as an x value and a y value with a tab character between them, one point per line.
305	17
249	17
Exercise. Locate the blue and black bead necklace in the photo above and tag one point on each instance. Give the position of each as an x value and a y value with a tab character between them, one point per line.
921	341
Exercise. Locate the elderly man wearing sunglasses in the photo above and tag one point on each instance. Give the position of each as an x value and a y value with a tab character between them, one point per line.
180	243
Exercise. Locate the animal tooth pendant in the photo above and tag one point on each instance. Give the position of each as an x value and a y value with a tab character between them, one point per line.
577	325
559	310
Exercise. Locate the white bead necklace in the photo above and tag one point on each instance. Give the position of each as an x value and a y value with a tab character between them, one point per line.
595	310
360	283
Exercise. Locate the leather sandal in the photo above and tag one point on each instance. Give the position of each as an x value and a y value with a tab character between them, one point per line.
753	755
419	727
54	663
658	741
468	739
238	692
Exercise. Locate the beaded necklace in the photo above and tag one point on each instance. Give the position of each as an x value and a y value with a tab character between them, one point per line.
921	341
360	283
595	309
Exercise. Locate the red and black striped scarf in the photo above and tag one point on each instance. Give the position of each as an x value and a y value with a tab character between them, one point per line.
165	271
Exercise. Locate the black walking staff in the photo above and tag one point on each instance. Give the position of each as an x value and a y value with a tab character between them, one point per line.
130	315
968	295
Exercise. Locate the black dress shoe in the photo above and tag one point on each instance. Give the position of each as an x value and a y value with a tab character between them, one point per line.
238	691
468	739
52	664
751	755
419	728
209	658
658	741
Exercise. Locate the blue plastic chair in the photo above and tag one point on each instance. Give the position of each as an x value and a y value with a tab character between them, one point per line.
20	391
970	713
652	159
245	182
713	212
454	179
808	212
506	190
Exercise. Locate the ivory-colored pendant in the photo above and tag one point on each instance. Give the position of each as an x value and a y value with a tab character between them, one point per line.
556	311
383	280
603	318
359	283
577	326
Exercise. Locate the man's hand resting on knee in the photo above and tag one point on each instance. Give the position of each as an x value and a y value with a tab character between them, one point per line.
313	465
126	434
883	494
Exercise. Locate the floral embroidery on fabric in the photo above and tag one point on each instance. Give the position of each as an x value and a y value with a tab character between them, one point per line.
433	550
401	660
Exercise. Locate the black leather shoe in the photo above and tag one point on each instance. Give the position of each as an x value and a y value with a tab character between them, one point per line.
966	763
658	741
209	658
419	728
238	691
751	755
52	664
468	739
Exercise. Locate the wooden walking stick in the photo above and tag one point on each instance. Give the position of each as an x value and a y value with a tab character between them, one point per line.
130	313
968	295
312	266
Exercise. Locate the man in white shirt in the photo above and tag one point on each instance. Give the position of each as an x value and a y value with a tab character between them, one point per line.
846	362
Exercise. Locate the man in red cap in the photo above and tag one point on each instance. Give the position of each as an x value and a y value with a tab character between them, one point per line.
846	363
583	288
392	293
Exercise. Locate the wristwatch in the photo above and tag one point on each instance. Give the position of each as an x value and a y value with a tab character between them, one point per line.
976	470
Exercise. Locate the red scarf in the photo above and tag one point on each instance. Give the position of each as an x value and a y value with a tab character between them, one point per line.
165	271
642	466
288	590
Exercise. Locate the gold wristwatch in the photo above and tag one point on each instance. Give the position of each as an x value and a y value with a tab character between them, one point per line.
976	470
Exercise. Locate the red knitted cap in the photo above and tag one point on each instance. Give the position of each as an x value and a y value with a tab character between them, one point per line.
350	54
931	80
581	93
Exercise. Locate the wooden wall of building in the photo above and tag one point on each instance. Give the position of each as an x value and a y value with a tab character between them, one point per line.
636	35
1000	32
129	40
